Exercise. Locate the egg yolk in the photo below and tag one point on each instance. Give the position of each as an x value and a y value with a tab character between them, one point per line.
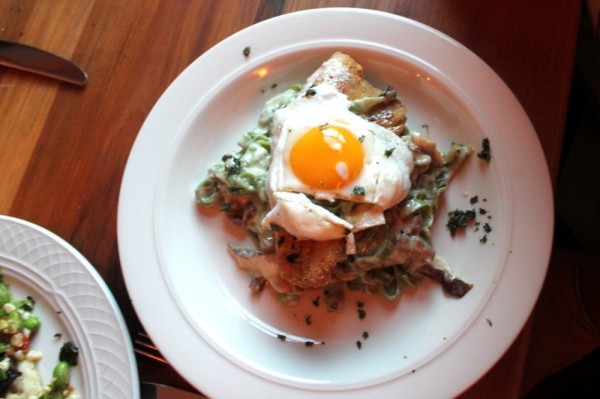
327	157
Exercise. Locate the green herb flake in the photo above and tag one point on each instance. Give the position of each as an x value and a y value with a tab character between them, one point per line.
281	337
69	353
316	302
246	51
389	92
358	344
389	151
362	314
232	164
310	92
458	219
291	258
485	153
358	190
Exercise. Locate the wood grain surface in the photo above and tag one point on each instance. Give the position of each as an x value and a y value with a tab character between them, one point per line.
63	148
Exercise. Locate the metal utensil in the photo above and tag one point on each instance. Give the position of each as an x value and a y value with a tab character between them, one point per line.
146	350
150	390
143	346
31	59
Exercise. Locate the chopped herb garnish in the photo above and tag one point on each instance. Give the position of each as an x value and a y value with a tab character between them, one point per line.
316	301
361	138
26	307
310	92
308	320
485	152
388	93
358	344
474	199
489	322
58	335
483	239
459	219
292	257
358	190
362	314
69	353
232	164
324	126
246	51
281	337
309	344
487	228
365	335
482	211
389	151
274	85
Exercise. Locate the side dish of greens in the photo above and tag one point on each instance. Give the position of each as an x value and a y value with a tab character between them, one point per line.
19	375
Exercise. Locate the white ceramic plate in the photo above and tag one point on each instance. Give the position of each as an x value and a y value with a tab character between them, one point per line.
73	301
196	304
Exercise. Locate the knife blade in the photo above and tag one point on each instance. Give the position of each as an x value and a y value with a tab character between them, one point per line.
35	60
150	390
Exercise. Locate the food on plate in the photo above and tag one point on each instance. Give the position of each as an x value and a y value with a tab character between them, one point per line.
19	374
336	191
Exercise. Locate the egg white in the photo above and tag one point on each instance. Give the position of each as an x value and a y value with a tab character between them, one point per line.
385	175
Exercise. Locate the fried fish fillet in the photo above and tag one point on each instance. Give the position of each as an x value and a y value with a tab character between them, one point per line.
307	264
348	77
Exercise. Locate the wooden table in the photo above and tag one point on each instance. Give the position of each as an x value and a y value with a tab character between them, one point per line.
63	148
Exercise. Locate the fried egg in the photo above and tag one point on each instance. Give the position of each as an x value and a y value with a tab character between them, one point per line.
324	151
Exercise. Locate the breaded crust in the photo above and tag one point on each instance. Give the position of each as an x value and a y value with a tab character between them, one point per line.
347	75
307	264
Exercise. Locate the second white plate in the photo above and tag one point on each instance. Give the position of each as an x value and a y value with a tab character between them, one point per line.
73	304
